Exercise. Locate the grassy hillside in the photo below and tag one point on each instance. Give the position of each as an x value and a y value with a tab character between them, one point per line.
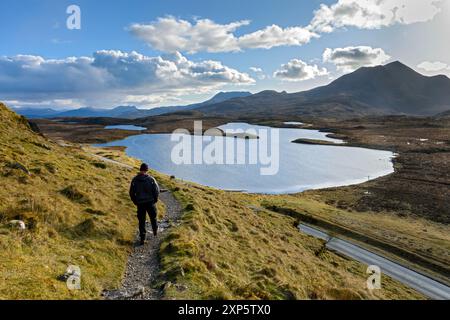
76	212
228	246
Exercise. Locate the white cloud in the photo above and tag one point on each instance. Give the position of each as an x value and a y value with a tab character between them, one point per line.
275	36
373	14
150	100
436	66
298	70
256	69
170	34
110	76
259	72
351	58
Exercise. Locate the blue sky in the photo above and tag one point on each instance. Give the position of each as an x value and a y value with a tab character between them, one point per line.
187	50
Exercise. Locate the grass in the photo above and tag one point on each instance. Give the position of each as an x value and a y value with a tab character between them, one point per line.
227	246
76	211
426	238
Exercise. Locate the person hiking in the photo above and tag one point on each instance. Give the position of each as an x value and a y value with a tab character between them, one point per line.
144	192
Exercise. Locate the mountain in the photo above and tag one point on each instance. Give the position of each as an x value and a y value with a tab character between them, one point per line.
443	115
218	98
224	96
126	112
118	112
33	113
390	89
75	210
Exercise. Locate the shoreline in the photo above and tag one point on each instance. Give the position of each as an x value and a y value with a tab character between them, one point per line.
289	190
371	244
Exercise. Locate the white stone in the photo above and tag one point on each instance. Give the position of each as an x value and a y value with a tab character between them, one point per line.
18	224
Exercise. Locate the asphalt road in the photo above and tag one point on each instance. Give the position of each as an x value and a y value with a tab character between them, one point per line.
427	286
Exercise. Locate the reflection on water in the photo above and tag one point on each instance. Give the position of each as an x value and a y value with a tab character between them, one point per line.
125	127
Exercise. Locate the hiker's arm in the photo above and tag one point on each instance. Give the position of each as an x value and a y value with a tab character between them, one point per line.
156	190
132	192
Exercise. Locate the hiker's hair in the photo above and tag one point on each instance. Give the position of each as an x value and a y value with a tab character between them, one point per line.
144	167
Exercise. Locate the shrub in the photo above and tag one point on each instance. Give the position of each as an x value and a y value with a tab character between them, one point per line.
100	165
73	194
51	167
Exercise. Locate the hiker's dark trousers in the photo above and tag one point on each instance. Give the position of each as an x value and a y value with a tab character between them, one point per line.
143	209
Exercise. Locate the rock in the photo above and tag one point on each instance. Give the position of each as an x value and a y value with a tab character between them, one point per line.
124	294
139	292
71	271
181	287
167	286
19	224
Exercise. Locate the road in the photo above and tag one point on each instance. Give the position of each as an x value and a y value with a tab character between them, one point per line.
427	286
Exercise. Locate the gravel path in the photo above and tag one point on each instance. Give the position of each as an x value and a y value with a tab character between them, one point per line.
143	264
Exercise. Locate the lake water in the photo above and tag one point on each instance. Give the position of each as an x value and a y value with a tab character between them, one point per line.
125	127
302	167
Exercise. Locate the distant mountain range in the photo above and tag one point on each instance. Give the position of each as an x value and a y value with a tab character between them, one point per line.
390	89
383	90
126	112
443	115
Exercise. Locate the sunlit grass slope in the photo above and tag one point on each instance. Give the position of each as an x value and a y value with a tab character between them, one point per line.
76	211
230	247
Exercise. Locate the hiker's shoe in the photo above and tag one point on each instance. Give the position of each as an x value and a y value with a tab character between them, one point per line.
142	242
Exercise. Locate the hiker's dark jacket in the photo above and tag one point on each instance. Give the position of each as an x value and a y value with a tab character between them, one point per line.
144	189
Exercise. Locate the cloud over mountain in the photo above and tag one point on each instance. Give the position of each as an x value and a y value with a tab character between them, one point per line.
351	58
113	73
298	70
435	66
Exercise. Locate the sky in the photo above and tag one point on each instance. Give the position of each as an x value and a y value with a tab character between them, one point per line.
70	54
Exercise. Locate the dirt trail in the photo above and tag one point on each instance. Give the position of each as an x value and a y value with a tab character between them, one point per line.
143	264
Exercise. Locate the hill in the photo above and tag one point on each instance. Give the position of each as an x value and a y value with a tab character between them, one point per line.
76	211
390	89
36	113
443	115
124	112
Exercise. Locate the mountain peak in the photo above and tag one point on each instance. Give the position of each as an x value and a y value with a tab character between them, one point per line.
224	96
270	93
396	63
397	66
125	108
394	88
